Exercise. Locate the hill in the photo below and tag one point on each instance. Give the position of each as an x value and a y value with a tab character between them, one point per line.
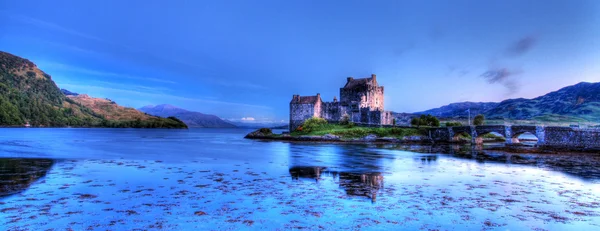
67	92
191	118
29	96
577	103
460	109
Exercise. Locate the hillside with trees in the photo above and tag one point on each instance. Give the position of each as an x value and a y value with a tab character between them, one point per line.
29	96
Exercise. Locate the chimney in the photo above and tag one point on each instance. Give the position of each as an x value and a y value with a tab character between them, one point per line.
350	79
335	99
374	77
318	96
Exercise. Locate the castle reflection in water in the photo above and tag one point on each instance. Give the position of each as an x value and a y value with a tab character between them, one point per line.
355	184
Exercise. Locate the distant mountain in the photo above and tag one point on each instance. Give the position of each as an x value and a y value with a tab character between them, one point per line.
580	102
191	118
29	96
67	92
459	109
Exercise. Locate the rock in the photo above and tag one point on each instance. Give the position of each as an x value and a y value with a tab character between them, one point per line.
413	138
370	137
260	133
331	137
310	138
388	139
199	213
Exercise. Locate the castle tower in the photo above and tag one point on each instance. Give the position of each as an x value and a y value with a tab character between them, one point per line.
303	108
362	93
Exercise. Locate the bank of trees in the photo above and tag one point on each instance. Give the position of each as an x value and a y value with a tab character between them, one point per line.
479	120
425	120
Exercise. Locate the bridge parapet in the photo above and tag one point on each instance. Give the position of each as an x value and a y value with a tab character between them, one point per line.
546	136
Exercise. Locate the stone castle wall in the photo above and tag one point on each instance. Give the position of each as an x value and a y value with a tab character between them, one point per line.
332	111
299	113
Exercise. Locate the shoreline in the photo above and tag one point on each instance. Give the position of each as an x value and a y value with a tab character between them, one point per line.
87	127
416	140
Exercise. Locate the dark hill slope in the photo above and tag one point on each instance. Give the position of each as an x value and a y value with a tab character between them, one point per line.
28	95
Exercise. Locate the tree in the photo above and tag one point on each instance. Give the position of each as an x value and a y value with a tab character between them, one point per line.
453	124
313	124
416	122
479	120
425	120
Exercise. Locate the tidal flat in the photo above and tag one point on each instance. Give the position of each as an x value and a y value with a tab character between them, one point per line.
213	179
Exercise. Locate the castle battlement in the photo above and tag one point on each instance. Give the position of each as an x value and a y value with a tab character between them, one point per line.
360	99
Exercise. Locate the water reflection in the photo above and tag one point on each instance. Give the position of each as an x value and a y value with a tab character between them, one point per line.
17	175
582	165
355	184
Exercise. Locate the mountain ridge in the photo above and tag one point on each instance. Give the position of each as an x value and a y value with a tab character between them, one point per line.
578	102
191	118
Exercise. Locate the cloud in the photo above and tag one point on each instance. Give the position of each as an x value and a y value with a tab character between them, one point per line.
503	76
238	84
52	26
521	46
133	86
99	73
161	96
436	33
454	70
70	47
257	120
399	51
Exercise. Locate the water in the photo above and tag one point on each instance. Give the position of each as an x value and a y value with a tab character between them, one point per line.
213	179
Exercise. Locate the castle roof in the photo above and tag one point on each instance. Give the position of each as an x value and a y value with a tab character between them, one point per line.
363	82
308	99
357	83
305	99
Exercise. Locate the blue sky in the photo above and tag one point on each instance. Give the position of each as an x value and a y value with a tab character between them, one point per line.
241	59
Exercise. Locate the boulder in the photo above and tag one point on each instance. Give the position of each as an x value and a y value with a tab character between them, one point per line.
370	137
260	133
330	137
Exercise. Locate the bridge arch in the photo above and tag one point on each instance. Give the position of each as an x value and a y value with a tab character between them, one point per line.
525	137
490	136
461	136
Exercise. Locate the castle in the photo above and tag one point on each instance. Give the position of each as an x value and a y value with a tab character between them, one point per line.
360	99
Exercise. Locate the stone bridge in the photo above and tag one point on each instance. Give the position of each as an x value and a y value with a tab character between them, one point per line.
546	136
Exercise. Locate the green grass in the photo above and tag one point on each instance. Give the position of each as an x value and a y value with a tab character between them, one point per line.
464	136
493	137
358	132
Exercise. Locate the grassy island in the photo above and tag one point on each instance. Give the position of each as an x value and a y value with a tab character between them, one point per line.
345	131
317	129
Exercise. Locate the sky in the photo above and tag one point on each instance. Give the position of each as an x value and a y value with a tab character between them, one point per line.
245	59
